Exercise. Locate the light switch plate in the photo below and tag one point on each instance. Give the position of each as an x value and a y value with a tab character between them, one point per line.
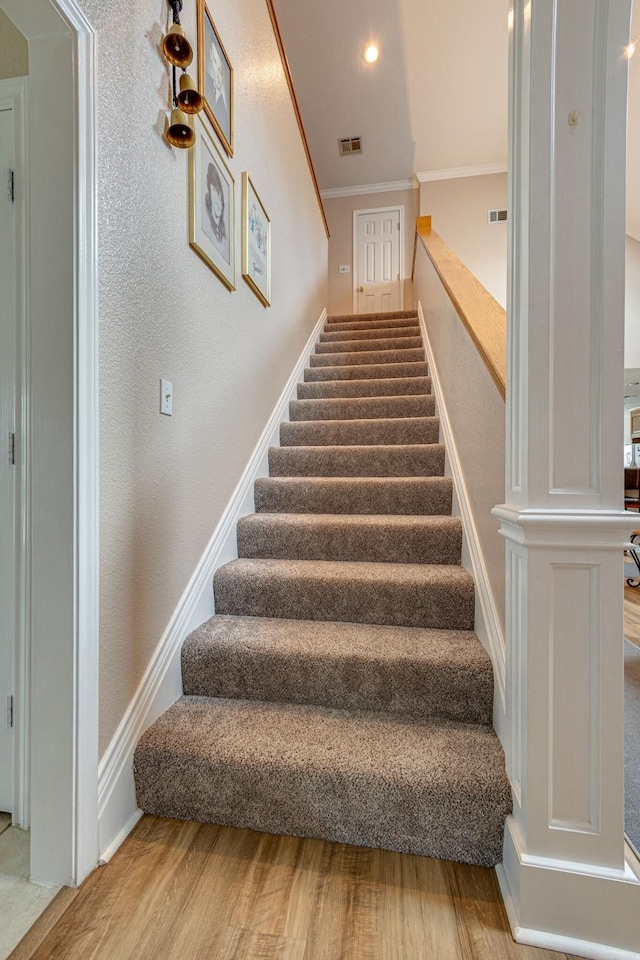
166	398
345	268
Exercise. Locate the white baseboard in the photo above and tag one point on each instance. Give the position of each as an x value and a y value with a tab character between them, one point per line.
487	623
161	684
564	901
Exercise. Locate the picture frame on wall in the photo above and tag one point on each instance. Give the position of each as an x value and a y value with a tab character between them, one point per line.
212	206
256	242
215	78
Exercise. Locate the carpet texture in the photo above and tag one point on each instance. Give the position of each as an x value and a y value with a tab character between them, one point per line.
339	691
632	743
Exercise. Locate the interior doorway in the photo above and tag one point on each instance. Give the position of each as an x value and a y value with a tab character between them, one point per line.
378	253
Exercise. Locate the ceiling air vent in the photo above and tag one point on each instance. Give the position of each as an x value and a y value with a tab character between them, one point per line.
497	216
349	145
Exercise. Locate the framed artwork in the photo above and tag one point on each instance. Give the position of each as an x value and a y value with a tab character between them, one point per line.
212	206
215	78
256	242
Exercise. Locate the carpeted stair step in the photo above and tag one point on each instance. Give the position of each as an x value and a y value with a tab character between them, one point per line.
372	317
348	666
411	460
361	408
413	496
437	596
357	323
376	539
344	336
403	430
396	387
435	787
368	357
387	343
382	371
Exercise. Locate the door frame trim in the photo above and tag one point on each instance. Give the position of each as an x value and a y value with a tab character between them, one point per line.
14	96
356	214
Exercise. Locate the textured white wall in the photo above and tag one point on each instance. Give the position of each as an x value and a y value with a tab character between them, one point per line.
339	212
14	50
459	214
632	305
165	481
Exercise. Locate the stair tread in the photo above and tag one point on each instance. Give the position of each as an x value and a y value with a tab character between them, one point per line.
412	386
409	670
435	786
377	538
411	496
399	460
367	357
367	371
385	343
361	408
346	336
371	431
352	571
368	317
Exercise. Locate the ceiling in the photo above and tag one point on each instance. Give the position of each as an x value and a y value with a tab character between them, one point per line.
436	98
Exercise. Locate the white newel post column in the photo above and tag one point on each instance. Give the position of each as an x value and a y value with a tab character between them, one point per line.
566	878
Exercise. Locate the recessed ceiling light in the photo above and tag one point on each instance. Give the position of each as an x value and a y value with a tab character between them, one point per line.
370	53
632	49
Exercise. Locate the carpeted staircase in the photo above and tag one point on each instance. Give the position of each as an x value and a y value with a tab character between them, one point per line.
339	692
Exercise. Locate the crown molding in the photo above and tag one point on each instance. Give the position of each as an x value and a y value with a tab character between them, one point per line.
365	188
453	173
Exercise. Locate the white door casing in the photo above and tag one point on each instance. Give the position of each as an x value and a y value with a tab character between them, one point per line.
59	392
7	470
378	258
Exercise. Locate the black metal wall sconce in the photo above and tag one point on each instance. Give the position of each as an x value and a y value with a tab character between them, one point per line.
188	101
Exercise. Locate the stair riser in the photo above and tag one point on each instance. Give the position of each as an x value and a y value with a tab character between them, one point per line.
373	317
360	432
415	461
452	817
349	389
263	537
343	683
359	346
420	497
440	606
361	408
345	336
380	371
366	357
370	325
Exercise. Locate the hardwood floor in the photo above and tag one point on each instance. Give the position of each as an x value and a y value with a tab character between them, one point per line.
632	614
188	891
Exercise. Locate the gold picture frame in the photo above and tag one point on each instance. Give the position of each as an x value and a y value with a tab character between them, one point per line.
212	214
256	242
215	78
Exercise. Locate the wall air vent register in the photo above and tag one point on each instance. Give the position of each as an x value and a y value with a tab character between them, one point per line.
349	145
497	216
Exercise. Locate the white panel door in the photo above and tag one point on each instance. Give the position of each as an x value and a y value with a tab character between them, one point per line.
378	282
7	470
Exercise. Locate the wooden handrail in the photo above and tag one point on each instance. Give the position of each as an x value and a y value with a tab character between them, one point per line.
296	108
483	317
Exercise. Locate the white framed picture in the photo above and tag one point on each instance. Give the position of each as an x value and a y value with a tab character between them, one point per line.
256	242
212	206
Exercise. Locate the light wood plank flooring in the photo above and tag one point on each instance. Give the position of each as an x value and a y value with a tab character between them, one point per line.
632	614
187	891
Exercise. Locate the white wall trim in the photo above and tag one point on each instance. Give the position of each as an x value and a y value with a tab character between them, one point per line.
365	188
455	173
14	93
161	684
356	263
488	626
